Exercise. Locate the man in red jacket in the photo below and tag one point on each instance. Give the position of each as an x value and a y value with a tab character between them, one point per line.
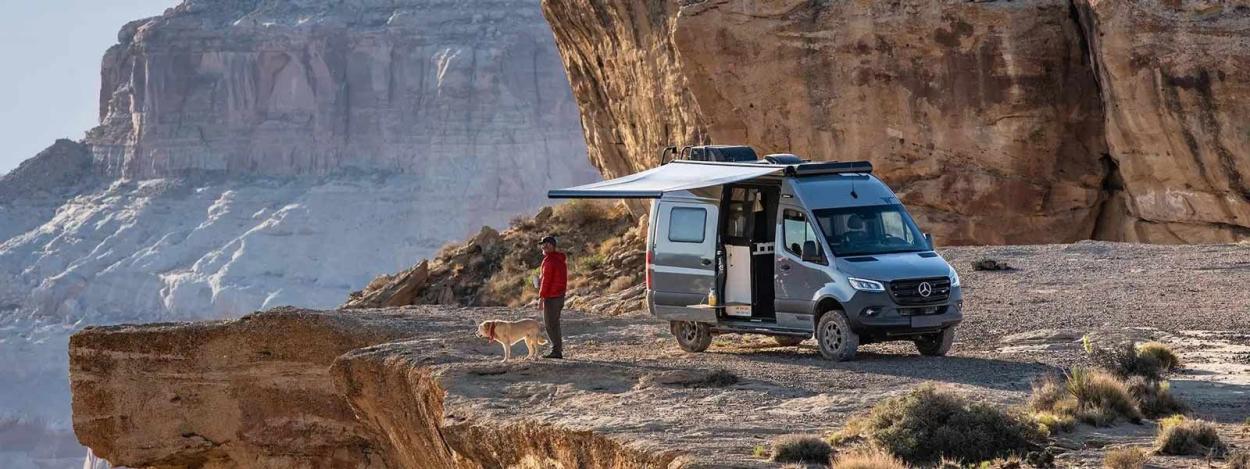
551	294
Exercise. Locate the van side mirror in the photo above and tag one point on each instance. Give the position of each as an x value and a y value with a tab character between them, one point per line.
811	253
929	237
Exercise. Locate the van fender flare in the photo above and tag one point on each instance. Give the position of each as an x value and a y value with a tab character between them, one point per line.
822	305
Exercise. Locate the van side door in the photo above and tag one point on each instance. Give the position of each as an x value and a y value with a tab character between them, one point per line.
797	279
684	259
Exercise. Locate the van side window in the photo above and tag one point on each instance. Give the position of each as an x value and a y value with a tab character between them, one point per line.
686	225
796	232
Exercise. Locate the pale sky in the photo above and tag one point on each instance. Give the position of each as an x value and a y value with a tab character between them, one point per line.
50	52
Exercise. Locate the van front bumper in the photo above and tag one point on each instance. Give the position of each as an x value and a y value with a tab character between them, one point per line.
876	314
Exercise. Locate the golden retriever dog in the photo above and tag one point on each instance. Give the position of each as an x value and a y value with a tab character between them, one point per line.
509	333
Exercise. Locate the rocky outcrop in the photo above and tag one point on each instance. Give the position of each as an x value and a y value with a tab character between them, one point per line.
464	91
260	391
31	193
1175	81
253	392
987	117
605	260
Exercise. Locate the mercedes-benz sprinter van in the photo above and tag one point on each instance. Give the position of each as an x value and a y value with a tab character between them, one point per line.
789	249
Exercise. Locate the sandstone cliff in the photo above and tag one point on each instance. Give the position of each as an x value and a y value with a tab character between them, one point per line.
464	90
997	122
256	153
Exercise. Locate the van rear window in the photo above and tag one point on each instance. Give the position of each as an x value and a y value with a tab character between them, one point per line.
685	225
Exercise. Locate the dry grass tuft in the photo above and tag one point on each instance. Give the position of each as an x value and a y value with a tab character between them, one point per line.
1154	398
808	449
868	459
929	423
1184	437
1161	353
1125	458
1239	459
1091	396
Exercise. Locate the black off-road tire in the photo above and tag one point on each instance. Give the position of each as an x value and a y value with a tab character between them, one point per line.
936	345
691	336
835	338
788	340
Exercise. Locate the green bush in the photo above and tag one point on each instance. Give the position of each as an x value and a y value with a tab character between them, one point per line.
801	449
1184	437
929	423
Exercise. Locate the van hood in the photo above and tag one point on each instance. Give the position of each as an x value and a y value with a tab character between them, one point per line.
887	267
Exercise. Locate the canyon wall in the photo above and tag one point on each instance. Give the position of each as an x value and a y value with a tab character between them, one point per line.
471	90
996	122
257	153
1175	81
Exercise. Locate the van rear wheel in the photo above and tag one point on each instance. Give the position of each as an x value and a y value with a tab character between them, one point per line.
692	336
788	340
836	339
937	344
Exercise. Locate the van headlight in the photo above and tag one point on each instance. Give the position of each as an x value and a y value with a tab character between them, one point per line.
865	285
954	277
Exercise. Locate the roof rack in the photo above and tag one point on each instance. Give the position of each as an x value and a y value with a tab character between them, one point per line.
828	167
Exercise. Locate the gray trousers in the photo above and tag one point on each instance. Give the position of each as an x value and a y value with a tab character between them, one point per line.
551	318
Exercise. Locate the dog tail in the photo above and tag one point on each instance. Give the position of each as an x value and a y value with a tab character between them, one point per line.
542	340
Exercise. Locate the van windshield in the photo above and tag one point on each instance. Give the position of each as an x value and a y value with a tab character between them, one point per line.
876	229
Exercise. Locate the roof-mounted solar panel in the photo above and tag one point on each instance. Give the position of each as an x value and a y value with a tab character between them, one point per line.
831	167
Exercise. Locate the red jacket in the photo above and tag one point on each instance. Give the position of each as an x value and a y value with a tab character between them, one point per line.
554	277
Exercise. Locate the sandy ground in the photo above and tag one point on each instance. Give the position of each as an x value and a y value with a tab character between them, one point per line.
626	377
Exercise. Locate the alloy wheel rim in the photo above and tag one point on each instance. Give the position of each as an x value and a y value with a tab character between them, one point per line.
833	337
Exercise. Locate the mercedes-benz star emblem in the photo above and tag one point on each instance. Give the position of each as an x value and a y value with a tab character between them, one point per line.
925	289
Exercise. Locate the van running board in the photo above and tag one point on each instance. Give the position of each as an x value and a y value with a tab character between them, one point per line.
750	329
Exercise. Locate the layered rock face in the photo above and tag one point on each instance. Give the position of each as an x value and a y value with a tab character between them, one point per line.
987	117
298	388
261	153
1174	80
467	90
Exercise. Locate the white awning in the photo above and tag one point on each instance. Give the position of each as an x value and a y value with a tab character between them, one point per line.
675	176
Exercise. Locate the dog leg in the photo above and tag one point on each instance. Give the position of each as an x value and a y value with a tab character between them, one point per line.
507	352
529	348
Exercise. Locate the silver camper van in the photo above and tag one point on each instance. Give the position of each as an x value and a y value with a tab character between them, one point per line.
790	249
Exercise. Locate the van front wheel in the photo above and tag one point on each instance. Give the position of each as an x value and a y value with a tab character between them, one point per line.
836	339
936	345
692	336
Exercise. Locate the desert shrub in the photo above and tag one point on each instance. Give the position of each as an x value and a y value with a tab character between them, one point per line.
621	284
868	459
929	423
760	451
1123	360
801	449
1154	398
1125	458
1161	353
1052	423
1184	437
580	211
589	263
1091	396
986	263
1239	459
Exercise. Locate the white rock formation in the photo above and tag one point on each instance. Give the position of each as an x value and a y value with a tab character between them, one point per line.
255	153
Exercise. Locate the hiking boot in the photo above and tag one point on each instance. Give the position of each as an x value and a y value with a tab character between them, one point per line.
554	355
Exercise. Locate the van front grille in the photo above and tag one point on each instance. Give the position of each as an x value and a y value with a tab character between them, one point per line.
913	291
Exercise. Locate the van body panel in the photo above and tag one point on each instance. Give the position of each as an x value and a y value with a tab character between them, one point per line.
683	265
887	267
